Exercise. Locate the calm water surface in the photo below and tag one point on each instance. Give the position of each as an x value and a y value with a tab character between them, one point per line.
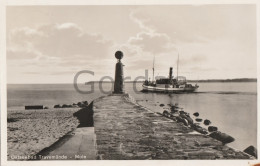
232	107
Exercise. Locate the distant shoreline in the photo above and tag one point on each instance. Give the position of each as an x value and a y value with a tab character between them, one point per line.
226	80
207	80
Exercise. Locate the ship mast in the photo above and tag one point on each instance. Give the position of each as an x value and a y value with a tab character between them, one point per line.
178	66
153	67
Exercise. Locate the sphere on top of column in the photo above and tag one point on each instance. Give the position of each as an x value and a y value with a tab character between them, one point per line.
119	55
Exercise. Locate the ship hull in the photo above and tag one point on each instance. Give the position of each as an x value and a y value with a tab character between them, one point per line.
169	90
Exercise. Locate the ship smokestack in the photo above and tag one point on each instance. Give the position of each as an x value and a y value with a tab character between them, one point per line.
170	74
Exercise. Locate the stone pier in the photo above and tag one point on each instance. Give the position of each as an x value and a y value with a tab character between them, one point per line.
127	131
123	130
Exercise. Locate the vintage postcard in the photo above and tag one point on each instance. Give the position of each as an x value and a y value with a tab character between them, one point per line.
173	82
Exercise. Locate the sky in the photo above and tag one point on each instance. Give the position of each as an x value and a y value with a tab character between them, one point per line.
50	44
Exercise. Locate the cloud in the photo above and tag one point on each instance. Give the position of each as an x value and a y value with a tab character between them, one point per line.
50	72
193	59
21	54
202	69
210	36
146	43
140	22
55	52
65	41
144	63
155	43
68	25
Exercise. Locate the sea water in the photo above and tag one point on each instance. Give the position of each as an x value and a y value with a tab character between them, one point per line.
232	107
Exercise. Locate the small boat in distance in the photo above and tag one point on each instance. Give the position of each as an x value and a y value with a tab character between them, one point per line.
169	85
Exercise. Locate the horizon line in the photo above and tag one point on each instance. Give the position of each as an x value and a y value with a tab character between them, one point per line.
192	80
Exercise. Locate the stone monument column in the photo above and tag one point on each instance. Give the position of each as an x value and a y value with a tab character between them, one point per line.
119	74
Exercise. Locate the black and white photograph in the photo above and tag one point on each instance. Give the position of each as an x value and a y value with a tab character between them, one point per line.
175	82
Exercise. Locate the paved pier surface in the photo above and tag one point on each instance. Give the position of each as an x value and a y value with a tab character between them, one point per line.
125	130
79	146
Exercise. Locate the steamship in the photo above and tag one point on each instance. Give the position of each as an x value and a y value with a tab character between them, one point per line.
170	84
